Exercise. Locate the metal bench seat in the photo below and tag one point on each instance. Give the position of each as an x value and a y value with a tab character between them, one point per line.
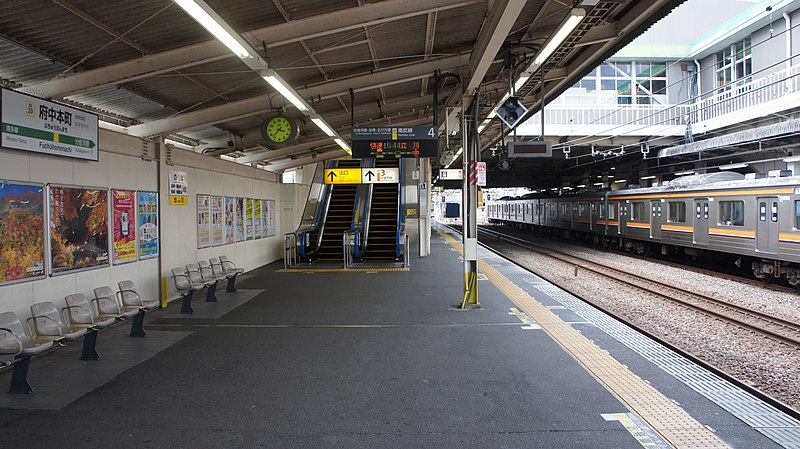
196	276
47	323
79	312
229	269
18	345
185	287
131	298
107	303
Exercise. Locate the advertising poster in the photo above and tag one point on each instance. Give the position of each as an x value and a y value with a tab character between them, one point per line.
21	232
217	220
230	220
203	221
178	188
78	228
123	205
239	222
258	222
265	217
248	218
148	225
271	229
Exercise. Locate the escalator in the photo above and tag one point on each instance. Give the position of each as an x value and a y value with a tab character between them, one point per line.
339	217
383	218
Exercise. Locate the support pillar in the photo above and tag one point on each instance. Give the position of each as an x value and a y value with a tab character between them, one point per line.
469	209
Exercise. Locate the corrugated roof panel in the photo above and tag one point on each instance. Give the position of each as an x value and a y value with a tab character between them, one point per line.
122	102
300	9
20	66
457	28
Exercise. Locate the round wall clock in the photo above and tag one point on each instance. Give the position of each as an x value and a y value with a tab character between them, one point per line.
279	130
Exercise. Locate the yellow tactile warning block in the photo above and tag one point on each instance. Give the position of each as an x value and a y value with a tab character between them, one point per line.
339	270
664	417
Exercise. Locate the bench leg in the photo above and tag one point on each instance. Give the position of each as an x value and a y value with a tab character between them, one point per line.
211	293
19	377
137	327
231	284
186	303
89	341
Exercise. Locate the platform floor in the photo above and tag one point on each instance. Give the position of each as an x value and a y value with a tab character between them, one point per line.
372	360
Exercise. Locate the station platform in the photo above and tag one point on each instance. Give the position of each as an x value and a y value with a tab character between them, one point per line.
379	359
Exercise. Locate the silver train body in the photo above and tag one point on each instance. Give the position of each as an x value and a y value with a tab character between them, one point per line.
756	219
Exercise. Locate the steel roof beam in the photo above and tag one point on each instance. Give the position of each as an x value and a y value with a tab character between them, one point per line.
502	16
260	104
212	50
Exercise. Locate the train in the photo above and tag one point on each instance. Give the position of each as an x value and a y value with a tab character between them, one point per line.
755	217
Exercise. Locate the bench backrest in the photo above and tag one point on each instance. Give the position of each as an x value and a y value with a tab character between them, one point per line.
227	264
194	274
216	266
79	310
205	270
10	339
46	319
181	279
106	301
130	296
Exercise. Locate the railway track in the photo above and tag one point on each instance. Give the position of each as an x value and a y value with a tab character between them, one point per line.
773	327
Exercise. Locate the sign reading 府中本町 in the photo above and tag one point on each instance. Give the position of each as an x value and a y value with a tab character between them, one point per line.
395	142
33	124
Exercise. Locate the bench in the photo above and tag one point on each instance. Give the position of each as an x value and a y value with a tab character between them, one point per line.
198	280
229	269
19	347
207	272
183	284
107	302
79	313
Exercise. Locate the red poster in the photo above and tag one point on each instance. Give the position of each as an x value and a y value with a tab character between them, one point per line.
124	207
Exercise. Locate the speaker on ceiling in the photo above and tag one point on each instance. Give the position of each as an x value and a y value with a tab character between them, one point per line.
511	111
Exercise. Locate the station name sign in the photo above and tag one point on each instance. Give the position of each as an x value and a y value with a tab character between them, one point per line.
395	142
32	124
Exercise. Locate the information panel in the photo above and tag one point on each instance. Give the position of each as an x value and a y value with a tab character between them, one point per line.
21	232
32	124
78	228
395	142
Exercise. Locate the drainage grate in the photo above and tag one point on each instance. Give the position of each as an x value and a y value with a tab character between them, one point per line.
764	418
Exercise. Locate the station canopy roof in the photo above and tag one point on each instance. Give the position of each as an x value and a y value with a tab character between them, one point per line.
151	68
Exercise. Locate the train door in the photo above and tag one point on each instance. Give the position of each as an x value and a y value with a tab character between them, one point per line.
655	219
767	231
700	236
623	217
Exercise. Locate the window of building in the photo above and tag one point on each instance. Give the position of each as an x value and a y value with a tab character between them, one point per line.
619	82
677	212
639	212
735	63
289	177
731	213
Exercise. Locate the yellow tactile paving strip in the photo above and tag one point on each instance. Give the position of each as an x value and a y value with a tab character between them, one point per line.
663	416
339	270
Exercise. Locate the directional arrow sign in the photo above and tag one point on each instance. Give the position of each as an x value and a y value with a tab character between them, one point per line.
376	175
342	176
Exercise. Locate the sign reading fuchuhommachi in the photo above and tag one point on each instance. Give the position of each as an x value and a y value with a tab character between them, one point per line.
239	224
21	232
230	220
258	222
78	228
248	219
33	124
148	225
217	220
203	221
395	142
123	206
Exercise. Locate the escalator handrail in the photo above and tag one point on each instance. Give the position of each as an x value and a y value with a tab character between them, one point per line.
400	222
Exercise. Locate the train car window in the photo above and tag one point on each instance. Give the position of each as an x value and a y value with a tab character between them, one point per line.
602	213
797	214
612	211
583	210
774	212
638	212
731	213
762	211
677	212
565	210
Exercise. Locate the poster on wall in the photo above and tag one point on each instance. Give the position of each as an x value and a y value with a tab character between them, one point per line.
271	225
203	221
230	220
248	219
78	228
148	225
21	232
178	188
258	222
217	220
239	222
123	206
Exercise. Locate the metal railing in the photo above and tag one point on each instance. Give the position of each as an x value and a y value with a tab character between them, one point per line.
406	252
289	250
349	245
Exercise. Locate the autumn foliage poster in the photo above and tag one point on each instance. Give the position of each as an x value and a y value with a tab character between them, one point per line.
21	232
78	228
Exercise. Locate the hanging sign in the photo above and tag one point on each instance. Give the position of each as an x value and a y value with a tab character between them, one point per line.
32	124
395	142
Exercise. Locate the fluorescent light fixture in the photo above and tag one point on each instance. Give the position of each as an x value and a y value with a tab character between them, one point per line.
460	150
582	186
575	17
733	166
786	159
342	144
323	126
681	173
276	82
206	17
227	158
620	181
175	143
484	125
599	184
567	188
112	126
647	177
521	82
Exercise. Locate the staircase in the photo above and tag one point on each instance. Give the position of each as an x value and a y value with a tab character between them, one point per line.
339	218
382	238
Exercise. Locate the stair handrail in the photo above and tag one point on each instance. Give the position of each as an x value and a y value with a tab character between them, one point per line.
366	209
349	244
400	221
289	250
314	213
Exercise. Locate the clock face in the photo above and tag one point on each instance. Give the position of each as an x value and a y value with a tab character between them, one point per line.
279	129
